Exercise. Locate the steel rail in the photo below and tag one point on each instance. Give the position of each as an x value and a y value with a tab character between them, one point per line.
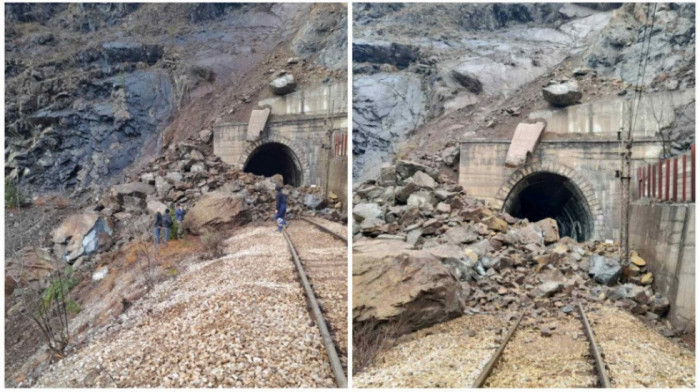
595	350
321	227
479	383
336	366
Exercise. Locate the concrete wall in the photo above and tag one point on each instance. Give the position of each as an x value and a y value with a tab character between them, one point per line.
302	121
604	118
664	235
338	179
306	136
590	164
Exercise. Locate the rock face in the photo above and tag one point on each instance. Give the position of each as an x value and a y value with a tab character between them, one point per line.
30	267
79	115
562	94
411	287
217	211
80	235
283	85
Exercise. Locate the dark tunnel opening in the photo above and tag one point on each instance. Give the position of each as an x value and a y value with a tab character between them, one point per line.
548	195
275	158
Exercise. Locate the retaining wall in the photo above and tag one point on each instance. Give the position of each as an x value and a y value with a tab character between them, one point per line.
664	235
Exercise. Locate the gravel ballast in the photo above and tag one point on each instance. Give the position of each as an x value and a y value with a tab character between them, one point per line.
237	321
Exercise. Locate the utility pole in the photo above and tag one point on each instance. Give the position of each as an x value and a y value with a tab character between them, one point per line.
625	175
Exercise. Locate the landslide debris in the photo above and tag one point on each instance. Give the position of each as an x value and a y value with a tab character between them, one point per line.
424	252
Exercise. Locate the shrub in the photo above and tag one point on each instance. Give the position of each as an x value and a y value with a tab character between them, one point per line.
13	196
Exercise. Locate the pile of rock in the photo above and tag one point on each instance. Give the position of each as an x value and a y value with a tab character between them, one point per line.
418	235
216	195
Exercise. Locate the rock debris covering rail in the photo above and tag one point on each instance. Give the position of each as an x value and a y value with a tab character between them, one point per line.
604	381
325	229
337	367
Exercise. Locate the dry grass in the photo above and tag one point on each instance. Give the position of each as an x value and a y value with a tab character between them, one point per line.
372	336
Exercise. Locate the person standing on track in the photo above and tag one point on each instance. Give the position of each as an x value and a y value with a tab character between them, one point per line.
280	208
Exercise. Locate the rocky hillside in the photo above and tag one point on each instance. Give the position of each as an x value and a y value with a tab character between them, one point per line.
426	74
93	88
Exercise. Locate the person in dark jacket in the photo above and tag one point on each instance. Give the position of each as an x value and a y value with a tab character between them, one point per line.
179	217
159	224
167	224
280	208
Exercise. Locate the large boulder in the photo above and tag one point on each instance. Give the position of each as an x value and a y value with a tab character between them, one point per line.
563	94
314	202
367	211
283	85
216	211
80	234
414	288
604	270
467	79
406	169
550	230
131	196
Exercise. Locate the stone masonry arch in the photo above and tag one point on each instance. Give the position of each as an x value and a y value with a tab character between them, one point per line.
587	191
295	149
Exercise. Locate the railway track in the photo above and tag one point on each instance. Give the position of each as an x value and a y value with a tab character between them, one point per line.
325	229
487	374
322	268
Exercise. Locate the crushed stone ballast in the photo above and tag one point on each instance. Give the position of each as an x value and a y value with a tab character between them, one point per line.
494	378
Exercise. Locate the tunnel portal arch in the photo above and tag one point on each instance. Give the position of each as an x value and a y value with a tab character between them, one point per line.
275	156
554	191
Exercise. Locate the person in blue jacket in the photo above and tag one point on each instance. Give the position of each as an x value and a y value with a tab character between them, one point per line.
180	217
280	208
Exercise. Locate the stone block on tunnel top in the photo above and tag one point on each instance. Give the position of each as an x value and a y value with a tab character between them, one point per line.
524	141
258	119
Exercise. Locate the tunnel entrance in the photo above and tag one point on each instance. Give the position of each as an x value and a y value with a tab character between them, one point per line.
275	158
549	195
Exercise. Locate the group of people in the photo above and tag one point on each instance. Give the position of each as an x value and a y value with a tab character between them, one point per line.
164	223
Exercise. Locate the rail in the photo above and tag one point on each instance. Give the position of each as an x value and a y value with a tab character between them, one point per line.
603	380
336	366
671	179
324	229
595	350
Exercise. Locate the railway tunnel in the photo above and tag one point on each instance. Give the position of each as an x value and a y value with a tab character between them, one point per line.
275	158
549	195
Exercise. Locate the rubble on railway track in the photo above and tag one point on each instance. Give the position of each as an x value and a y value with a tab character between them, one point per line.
427	252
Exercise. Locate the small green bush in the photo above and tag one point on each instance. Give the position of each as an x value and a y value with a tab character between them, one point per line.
13	196
59	288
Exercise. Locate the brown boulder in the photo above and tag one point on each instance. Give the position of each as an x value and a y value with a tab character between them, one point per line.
217	211
550	230
391	282
79	234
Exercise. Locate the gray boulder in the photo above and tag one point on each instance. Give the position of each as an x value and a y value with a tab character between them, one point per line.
367	211
312	201
563	94
604	270
283	85
450	155
467	79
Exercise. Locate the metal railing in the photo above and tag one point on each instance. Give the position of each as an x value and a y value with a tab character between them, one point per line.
671	179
